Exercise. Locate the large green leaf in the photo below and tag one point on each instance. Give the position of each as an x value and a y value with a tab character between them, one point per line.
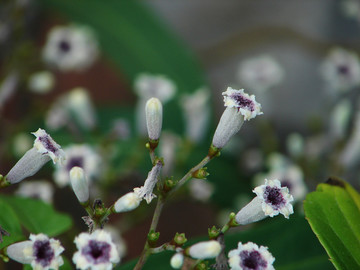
37	216
290	241
10	223
333	212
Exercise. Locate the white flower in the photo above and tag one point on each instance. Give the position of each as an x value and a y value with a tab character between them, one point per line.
251	256
44	149
121	129
204	250
47	146
271	200
295	145
41	189
340	118
177	260
79	184
80	155
95	251
167	149
351	8
196	111
244	103
70	48
148	86
341	70
201	189
260	73
154	115
146	190
41	252
8	87
41	82
127	202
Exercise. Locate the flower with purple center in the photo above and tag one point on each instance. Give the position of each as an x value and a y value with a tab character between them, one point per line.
271	200
95	251
78	155
244	103
41	252
275	198
250	256
47	146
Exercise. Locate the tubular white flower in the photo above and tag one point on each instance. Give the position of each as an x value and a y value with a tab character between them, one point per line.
271	200
177	260
154	114
70	48
128	202
79	184
95	251
41	82
245	103
146	190
251	256
340	118
229	124
44	144
41	252
204	250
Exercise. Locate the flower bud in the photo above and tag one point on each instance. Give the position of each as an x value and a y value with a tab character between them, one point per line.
79	184
204	250
126	203
177	260
153	112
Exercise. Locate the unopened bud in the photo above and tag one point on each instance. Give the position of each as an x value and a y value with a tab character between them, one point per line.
177	260
180	239
153	237
201	173
79	184
204	250
128	202
153	112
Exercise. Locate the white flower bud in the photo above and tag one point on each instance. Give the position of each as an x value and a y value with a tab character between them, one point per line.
153	112
128	202
41	82
229	124
79	103
177	260
205	250
30	163
79	184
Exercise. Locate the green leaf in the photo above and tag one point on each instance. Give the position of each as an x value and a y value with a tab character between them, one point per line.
37	216
291	242
10	223
333	212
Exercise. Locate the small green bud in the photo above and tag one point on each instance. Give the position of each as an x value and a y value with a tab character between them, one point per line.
169	184
202	266
213	232
180	239
201	173
152	144
99	208
159	159
152	238
232	220
213	151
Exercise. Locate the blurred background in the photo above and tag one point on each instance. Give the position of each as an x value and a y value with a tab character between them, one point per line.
83	72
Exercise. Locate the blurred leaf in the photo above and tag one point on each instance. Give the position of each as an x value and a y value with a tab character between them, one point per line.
333	213
37	216
10	223
291	242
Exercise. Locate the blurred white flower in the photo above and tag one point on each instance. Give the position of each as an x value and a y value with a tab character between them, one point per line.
196	111
41	252
250	256
41	82
340	118
201	189
260	73
80	155
22	143
177	260
204	250
121	129
96	251
341	70
167	149
117	240
8	87
70	48
40	189
351	8
295	145
74	105
148	86
252	159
